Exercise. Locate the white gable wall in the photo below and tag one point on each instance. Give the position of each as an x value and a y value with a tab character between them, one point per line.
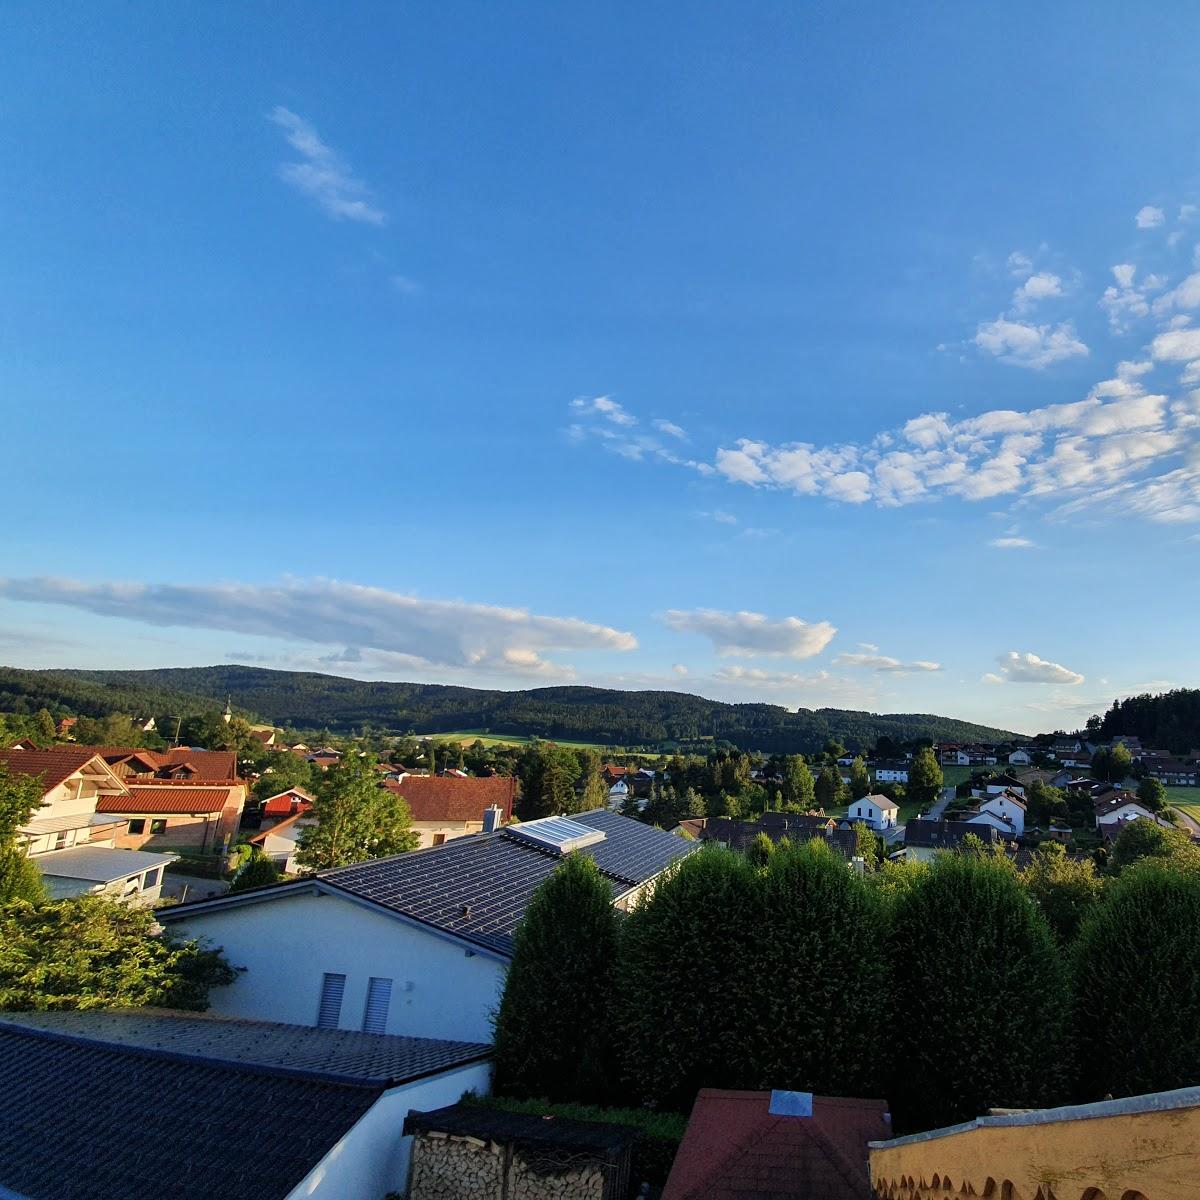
1006	810
372	1159
288	944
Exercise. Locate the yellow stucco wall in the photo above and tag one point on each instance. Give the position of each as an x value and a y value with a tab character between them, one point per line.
1129	1156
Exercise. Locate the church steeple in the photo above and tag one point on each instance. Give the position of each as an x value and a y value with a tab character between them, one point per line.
227	715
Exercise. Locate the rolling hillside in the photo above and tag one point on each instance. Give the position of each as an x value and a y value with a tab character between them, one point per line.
312	701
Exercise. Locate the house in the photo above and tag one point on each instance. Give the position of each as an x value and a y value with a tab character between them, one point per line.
437	923
66	727
1005	811
285	804
877	811
618	794
198	766
777	1144
177	815
445	807
891	772
610	773
1172	772
1060	832
996	784
24	744
74	846
956	758
1012	1152
237	1109
280	841
1114	810
923	839
736	835
1020	757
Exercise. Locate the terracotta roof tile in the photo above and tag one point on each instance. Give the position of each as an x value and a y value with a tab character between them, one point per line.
54	765
736	1149
174	798
445	798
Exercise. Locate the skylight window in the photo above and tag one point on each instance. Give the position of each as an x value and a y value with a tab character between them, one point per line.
559	835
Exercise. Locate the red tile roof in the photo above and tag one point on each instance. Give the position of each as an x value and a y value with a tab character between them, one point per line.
444	798
284	803
735	1149
216	766
172	798
54	765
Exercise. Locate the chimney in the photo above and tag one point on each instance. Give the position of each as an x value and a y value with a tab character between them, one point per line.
492	818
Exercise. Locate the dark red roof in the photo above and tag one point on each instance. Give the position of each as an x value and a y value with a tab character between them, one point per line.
445	798
54	765
172	798
215	766
736	1149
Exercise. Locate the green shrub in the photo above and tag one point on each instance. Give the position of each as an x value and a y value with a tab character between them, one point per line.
1137	984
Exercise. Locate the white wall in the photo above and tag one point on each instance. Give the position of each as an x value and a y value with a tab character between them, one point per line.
287	944
372	1159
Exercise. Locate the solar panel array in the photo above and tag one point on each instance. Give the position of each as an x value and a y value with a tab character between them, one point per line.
478	887
558	834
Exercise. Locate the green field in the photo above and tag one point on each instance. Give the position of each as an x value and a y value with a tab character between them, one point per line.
467	736
1183	797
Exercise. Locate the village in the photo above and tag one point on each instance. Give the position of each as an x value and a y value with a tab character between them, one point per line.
370	988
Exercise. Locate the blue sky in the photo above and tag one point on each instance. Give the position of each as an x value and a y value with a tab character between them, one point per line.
816	354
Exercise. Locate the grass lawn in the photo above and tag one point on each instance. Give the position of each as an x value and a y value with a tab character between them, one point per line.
953	776
1183	797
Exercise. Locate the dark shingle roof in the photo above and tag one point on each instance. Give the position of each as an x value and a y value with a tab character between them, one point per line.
339	1055
946	835
477	888
142	1125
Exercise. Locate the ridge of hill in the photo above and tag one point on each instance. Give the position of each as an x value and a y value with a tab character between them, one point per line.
304	700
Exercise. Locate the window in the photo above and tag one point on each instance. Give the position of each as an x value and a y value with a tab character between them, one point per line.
439	839
60	840
158	825
138	825
151	879
333	987
379	996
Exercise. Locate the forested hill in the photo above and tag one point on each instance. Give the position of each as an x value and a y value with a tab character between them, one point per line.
311	701
1170	720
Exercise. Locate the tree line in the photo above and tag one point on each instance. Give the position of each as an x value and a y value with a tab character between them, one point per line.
610	717
948	988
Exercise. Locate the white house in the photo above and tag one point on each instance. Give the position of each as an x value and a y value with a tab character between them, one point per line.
618	793
877	811
291	1112
1004	811
891	773
1111	817
72	845
1020	757
435	926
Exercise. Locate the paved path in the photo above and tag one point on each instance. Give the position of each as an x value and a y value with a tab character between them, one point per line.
1188	822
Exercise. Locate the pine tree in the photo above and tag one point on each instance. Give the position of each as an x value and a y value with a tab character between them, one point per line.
829	787
860	779
925	777
553	1027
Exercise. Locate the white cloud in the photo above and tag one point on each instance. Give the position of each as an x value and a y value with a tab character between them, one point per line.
884	662
679	669
670	428
1022	344
745	634
869	647
1042	286
1029	668
606	407
453	633
1149	217
1012	543
322	175
1127	301
1177	345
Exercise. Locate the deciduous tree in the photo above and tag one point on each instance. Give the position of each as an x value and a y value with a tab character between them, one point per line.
860	779
925	777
